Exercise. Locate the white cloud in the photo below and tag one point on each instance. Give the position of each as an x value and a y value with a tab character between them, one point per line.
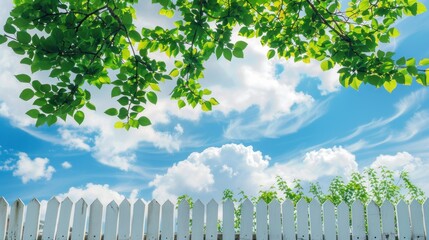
91	192
66	165
238	167
399	162
32	170
74	139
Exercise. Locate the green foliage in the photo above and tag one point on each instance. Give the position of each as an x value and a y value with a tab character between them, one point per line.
82	43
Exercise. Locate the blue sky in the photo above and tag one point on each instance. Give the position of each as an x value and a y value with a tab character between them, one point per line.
275	118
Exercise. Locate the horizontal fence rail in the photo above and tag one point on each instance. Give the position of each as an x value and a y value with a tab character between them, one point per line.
274	221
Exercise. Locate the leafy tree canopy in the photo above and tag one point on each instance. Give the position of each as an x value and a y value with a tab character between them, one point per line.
96	42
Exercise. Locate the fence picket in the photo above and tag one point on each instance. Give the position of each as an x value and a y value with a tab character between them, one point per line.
198	221
111	221
167	221
124	227
315	212
16	219
246	222
261	220
403	219
425	214
79	220
183	221
137	225
228	220
416	215
63	228
302	219
31	223
329	226
373	218
288	221
4	206
51	218
95	220
211	220
343	221
358	221
153	220
275	231
388	221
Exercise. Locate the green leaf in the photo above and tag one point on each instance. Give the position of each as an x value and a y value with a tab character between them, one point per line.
390	85
178	64
238	53
23	78
90	106
33	113
355	84
394	32
111	112
119	124
206	106
26	94
79	116
421	8
151	96
155	87
219	51
326	65
214	101
401	61
116	91
3	39
144	121
424	62
240	45
23	37
123	101
227	54
181	103
41	119
174	72
271	53
51	119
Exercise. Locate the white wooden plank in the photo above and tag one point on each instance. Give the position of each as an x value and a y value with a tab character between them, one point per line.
261	220
417	225
211	220
373	218
167	221
228	220
183	221
425	214
387	221
315	220
343	221
246	222
16	219
403	219
302	219
79	220
51	219
198	221
358	221
63	230
288	220
124	226
95	220
275	229
111	221
4	207
329	226
153	220
137	225
32	218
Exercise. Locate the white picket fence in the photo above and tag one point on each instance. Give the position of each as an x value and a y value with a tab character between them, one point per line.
275	221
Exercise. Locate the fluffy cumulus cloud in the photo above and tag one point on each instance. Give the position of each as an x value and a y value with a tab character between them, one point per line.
66	165
240	167
399	162
32	170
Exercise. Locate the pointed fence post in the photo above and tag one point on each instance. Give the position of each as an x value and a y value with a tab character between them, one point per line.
197	221
16	220
275	230
79	220
228	220
329	226
211	220
137	225
124	226
302	219
64	220
288	220
32	219
403	219
167	221
417	225
246	222
343	221
95	220
315	220
358	221
4	206
388	221
183	221
373	218
51	219
153	220
261	220
111	221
